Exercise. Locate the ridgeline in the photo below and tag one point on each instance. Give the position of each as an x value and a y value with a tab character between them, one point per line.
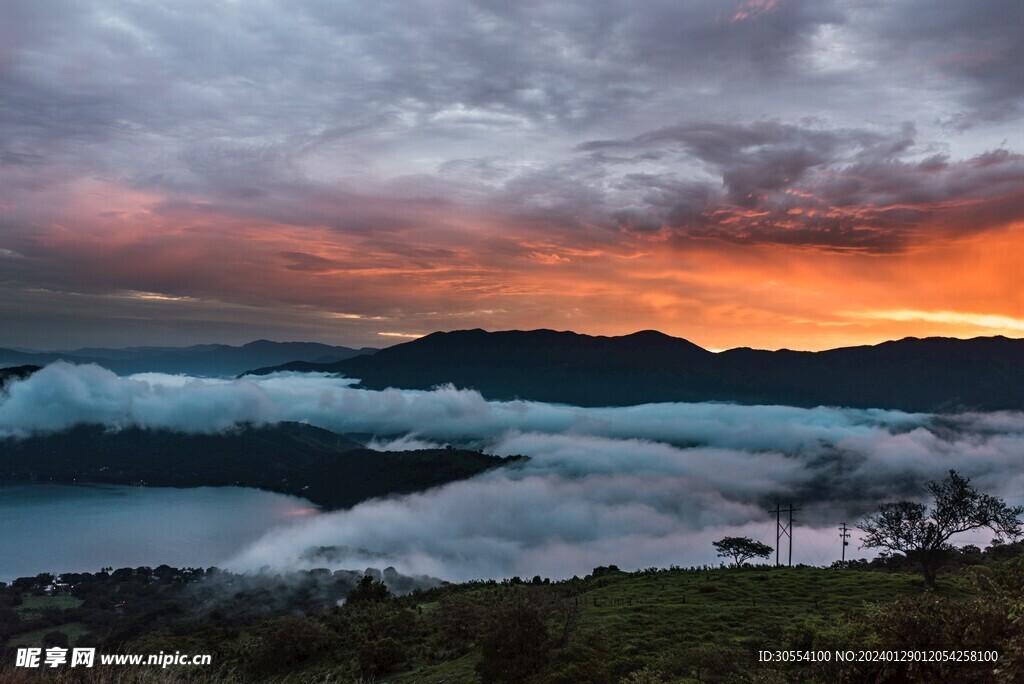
930	375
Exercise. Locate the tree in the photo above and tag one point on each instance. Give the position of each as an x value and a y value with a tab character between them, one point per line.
923	534
368	590
741	549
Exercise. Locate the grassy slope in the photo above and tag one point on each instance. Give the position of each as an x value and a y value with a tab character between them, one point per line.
34	606
672	608
649	616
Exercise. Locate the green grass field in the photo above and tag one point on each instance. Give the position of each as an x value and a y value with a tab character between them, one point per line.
653	617
665	610
35	605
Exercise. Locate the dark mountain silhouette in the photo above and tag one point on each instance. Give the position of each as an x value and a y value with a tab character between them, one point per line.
16	373
203	359
932	374
292	458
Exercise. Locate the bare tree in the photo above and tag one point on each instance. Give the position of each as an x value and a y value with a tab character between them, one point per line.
741	549
923	534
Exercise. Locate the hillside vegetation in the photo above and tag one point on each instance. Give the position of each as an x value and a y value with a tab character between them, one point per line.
291	458
644	627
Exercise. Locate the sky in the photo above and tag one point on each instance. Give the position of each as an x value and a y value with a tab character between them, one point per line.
636	486
769	173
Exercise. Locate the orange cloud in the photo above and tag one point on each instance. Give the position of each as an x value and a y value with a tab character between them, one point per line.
445	267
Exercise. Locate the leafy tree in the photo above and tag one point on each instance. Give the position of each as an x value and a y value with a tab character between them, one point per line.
923	534
741	549
604	570
369	590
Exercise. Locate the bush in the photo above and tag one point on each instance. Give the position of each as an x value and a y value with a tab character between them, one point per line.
286	643
712	662
921	623
380	657
517	643
586	658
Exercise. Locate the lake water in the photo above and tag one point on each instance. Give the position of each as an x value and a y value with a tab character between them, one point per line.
65	528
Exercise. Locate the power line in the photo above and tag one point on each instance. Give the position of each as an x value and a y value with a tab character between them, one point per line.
807	551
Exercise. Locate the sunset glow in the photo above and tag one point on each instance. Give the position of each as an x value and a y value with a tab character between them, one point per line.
183	173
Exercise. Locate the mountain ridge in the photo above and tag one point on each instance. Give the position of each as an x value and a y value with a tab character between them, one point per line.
913	374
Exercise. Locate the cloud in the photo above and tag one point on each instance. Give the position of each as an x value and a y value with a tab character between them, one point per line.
635	486
429	164
65	395
980	44
853	190
1000	324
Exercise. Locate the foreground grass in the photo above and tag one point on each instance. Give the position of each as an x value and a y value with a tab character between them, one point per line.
655	613
664	621
648	619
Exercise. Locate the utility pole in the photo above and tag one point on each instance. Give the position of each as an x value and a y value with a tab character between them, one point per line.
778	533
783	529
843	536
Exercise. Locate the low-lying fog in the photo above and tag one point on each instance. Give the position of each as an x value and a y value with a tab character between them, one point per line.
634	486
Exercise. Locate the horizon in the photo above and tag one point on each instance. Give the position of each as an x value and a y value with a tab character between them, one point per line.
775	173
379	347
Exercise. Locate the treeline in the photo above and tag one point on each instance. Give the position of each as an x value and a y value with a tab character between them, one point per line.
113	607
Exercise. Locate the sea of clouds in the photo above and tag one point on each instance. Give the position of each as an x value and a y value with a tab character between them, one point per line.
638	486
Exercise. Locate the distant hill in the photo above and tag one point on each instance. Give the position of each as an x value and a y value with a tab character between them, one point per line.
16	373
932	374
203	359
292	458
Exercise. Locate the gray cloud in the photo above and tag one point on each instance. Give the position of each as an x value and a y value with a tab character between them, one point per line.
189	129
981	44
842	189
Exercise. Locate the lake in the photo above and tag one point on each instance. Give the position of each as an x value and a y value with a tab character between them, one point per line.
67	528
